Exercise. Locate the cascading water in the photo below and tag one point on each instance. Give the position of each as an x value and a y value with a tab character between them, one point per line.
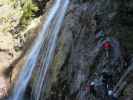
43	48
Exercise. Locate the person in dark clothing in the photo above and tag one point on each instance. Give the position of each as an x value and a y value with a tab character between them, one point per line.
107	79
87	87
111	95
92	90
114	98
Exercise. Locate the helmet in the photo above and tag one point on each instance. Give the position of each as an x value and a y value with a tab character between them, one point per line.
110	92
92	83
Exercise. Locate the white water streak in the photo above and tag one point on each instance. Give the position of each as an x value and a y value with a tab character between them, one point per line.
32	57
51	47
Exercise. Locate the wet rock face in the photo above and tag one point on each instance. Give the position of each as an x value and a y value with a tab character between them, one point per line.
83	43
75	69
83	19
122	23
115	16
125	13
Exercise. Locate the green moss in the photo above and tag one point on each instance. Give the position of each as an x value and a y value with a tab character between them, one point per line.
92	68
82	83
125	93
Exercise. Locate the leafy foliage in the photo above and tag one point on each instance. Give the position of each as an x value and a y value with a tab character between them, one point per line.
20	12
28	8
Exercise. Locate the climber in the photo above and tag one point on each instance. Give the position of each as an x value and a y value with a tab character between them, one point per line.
100	35
100	89
107	47
89	87
111	95
92	88
107	79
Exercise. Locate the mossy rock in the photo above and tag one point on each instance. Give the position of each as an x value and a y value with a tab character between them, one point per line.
92	68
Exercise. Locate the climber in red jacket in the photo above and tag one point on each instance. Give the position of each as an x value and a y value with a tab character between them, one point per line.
107	47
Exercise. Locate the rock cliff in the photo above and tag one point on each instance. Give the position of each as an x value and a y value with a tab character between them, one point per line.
82	20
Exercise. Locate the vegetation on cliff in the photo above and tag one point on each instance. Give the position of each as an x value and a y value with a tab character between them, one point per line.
18	27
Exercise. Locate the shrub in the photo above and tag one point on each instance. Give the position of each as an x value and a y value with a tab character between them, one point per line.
28	8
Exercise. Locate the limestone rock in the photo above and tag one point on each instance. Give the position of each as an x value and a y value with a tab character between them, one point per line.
4	87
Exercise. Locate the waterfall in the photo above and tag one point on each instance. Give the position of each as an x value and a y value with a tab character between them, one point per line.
43	48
